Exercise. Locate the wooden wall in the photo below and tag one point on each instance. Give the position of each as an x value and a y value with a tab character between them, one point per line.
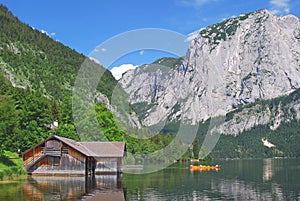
70	162
108	165
32	155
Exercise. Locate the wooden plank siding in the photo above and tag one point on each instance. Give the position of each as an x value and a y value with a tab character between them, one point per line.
32	156
70	162
108	165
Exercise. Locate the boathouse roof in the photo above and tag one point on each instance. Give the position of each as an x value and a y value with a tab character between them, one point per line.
94	149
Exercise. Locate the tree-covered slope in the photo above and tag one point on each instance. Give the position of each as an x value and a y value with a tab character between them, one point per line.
37	75
33	60
275	121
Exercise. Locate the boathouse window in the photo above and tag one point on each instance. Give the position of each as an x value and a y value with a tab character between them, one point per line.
54	160
52	148
53	144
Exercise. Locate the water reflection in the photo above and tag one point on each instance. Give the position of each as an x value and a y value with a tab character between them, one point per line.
240	190
268	179
268	169
106	187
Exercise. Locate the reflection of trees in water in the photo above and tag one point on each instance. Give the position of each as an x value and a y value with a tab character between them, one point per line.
242	190
237	180
73	188
207	188
268	169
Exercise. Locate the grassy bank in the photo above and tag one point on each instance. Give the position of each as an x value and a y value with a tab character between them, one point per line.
11	166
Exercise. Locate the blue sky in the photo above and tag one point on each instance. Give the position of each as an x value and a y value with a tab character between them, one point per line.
83	25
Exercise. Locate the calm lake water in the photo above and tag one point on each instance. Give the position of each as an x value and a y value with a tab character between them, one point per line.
259	179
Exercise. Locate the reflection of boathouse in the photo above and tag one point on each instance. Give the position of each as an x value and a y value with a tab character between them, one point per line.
99	187
59	155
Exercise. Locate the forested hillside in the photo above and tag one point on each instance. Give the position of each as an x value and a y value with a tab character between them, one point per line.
35	61
37	75
282	131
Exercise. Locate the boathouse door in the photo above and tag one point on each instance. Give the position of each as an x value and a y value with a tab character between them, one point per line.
90	165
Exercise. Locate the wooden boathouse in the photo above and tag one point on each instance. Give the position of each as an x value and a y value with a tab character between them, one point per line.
59	155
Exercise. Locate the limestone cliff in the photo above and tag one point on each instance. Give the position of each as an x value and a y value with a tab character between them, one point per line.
239	61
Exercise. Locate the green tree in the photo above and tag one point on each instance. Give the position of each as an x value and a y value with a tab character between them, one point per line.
196	148
8	122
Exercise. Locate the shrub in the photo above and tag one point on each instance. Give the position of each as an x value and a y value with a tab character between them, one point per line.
8	172
1	175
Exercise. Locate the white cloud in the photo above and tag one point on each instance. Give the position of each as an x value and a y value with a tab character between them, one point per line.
193	35
280	3
118	71
275	12
45	32
98	49
287	10
95	60
280	7
196	3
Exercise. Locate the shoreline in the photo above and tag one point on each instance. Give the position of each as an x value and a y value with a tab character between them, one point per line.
14	179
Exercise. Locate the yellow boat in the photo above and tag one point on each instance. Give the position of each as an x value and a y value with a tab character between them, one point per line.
204	167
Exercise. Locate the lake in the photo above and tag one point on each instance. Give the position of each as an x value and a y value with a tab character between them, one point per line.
255	179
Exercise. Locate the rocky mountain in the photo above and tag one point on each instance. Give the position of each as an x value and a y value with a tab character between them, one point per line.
239	62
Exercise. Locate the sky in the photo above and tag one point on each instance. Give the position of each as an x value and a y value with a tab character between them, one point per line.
84	25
